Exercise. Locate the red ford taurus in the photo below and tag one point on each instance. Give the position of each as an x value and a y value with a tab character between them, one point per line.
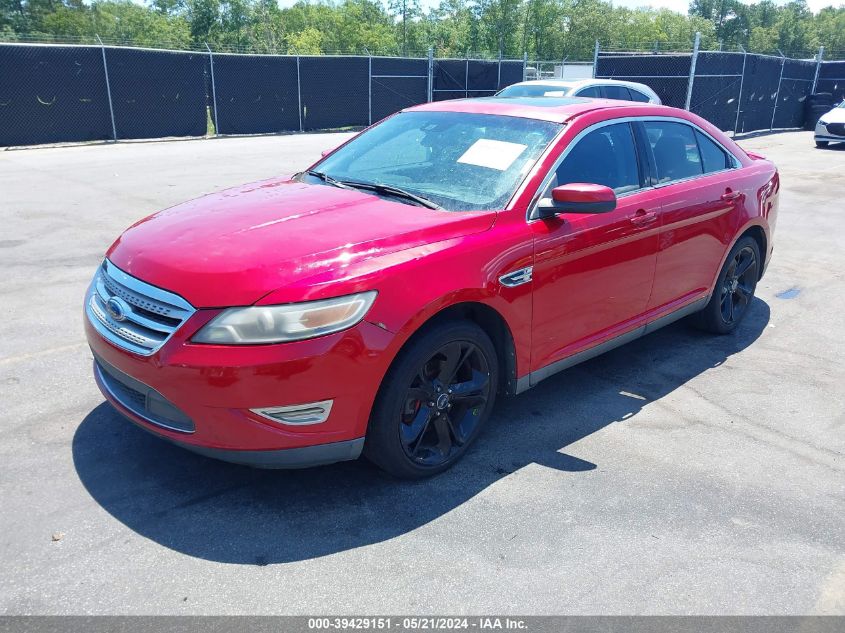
379	301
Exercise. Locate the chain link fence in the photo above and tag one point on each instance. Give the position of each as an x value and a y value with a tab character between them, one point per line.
735	90
69	93
52	93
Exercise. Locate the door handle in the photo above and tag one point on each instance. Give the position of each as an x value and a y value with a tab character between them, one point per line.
643	217
731	195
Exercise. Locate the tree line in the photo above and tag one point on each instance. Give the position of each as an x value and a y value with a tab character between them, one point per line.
544	29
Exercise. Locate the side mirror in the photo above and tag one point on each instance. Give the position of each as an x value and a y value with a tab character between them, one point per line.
577	197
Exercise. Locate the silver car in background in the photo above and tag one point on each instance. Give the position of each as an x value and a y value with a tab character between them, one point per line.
830	127
595	88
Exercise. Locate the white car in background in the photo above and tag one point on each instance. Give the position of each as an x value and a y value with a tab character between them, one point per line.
831	126
595	88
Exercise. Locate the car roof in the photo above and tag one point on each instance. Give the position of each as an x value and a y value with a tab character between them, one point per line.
558	83
554	109
579	83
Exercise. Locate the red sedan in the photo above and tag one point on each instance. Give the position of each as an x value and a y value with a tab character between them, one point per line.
381	300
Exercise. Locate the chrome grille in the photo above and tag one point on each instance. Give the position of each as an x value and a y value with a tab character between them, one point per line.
142	316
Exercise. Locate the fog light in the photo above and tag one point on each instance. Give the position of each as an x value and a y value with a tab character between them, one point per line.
298	414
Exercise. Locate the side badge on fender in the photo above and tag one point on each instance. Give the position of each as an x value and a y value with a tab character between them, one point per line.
517	277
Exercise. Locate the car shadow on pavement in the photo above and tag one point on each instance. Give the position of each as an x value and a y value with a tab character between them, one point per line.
235	514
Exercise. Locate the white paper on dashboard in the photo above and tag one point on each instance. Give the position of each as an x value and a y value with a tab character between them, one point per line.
493	154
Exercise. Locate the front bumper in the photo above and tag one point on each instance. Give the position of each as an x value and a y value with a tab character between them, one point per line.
825	133
200	396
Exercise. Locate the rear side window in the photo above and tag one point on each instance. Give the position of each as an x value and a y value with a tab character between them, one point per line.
675	150
616	92
605	156
636	95
590	91
713	157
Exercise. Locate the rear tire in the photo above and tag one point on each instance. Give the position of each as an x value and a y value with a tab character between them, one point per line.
822	144
734	289
434	401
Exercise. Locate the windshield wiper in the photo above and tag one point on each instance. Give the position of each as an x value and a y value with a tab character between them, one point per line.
329	180
390	190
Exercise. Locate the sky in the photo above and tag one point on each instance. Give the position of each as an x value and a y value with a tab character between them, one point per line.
681	6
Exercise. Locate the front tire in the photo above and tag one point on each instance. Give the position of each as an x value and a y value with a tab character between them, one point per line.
434	401
822	144
734	289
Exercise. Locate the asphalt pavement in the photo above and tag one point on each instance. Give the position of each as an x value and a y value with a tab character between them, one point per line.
682	473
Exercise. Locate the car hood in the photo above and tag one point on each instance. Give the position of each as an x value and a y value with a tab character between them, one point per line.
232	248
837	115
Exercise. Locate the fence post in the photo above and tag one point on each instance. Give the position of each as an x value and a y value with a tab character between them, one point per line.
370	88
563	67
818	67
595	58
466	80
524	65
692	63
213	90
108	88
499	78
777	93
741	81
299	93
430	74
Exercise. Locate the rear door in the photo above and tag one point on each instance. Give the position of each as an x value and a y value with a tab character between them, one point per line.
593	92
615	91
699	193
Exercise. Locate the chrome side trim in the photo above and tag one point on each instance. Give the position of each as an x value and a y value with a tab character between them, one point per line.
587	354
298	414
517	277
680	313
530	380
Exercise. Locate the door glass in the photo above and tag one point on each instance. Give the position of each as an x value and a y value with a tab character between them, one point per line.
617	92
591	91
636	95
605	156
713	156
675	150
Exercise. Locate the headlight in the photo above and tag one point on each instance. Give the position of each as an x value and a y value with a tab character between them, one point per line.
289	322
823	122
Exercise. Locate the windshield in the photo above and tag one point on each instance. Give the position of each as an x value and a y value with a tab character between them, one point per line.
460	161
535	90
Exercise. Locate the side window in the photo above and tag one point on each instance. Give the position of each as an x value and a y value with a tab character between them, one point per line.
636	95
605	156
675	150
713	156
616	92
590	91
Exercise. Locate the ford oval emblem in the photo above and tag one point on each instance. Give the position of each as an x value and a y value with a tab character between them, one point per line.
116	309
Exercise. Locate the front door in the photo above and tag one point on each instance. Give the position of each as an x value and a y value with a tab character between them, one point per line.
593	272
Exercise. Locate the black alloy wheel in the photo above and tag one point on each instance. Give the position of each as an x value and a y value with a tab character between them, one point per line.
444	402
734	289
433	401
738	285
